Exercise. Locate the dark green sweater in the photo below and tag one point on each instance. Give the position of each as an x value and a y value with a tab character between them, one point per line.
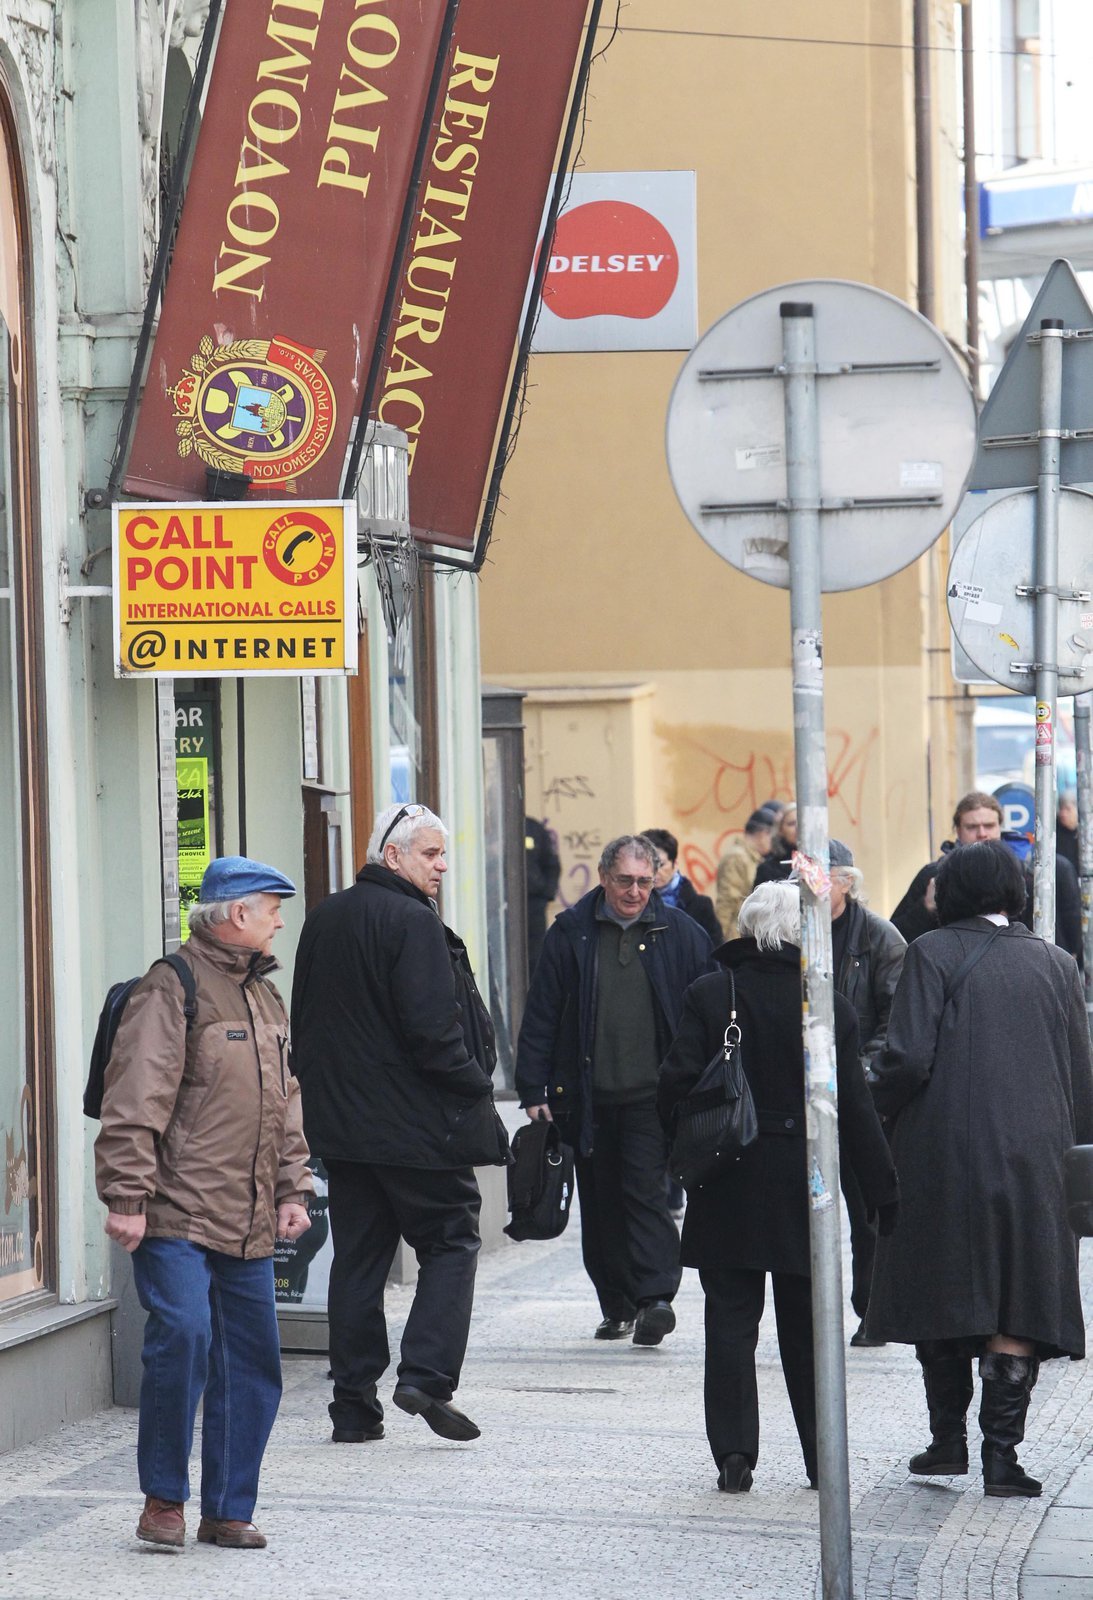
625	1060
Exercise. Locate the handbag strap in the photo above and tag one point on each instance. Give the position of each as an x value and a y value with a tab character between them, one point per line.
731	1043
971	960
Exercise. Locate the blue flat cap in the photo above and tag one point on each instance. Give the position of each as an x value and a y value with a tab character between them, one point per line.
234	877
840	855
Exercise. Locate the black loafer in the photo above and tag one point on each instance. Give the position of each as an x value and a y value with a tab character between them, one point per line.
735	1475
653	1321
357	1435
441	1415
614	1328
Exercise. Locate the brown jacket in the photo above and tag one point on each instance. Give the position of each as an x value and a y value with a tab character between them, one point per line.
203	1133
735	881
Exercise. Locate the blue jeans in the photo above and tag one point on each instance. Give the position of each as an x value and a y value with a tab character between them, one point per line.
212	1330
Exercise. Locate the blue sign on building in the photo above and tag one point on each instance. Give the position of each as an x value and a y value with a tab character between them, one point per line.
1014	202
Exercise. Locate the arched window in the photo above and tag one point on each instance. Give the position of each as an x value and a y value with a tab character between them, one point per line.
25	1011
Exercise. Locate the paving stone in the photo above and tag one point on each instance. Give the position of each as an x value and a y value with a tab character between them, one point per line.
592	1479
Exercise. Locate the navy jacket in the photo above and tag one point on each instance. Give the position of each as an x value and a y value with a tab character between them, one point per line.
554	1052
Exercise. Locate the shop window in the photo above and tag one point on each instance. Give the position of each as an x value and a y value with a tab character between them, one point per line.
25	1013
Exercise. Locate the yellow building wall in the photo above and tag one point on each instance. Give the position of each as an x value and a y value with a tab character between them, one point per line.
798	120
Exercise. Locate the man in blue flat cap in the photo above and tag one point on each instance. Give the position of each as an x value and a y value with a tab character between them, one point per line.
201	1163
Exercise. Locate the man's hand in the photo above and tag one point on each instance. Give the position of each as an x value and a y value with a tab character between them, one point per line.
292	1220
539	1113
128	1231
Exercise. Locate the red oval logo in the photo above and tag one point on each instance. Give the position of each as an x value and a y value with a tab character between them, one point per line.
610	259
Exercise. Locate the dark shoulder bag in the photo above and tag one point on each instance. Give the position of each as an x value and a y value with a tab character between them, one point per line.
716	1121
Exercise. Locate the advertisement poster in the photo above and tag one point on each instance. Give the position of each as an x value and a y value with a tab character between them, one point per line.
623	266
301	1267
235	590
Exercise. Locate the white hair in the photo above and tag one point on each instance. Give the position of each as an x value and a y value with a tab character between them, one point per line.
403	831
853	878
210	913
771	915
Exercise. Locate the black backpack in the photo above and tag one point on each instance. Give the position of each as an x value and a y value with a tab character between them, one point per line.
540	1182
117	998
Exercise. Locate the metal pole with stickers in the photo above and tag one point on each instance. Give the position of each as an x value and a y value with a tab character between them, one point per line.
819	437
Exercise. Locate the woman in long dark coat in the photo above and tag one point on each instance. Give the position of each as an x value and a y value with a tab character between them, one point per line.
986	1081
754	1219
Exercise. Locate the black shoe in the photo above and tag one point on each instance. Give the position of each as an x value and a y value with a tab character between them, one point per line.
941	1459
653	1321
441	1415
735	1475
357	1435
1008	1382
860	1340
614	1328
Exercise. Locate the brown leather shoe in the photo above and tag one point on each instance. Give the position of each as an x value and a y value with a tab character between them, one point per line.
231	1535
162	1522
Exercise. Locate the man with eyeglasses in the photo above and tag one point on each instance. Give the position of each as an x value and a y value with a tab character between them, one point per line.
603	1007
393	1050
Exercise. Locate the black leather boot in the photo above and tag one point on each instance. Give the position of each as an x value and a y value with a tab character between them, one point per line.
948	1381
1008	1381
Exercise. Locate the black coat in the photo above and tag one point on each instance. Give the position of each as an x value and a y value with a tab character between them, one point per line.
378	1043
986	1091
700	908
554	1051
868	975
913	919
756	1216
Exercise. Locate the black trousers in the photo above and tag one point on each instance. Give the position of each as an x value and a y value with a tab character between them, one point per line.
628	1239
371	1207
863	1242
734	1307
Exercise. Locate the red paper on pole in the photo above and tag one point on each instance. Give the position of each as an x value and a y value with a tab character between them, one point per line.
286	244
449	354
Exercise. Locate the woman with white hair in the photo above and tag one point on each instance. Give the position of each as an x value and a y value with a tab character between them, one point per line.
754	1219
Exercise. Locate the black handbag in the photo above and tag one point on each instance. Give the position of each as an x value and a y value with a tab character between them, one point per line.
717	1120
540	1182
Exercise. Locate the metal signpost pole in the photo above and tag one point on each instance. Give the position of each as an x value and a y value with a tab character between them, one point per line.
803	493
1083	703
1047	621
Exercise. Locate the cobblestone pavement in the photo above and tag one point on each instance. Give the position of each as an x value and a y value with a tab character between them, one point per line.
592	1480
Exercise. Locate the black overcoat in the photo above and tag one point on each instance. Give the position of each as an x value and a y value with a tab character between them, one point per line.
984	1093
558	1031
756	1216
378	1042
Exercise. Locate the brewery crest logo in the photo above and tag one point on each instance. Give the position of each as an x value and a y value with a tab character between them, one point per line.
264	407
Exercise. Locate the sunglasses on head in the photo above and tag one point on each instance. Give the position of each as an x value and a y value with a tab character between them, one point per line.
403	811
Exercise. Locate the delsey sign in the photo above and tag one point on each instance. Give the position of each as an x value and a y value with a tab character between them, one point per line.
286	244
449	356
622	265
617	242
234	590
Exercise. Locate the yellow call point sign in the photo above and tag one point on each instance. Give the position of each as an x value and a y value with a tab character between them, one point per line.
222	590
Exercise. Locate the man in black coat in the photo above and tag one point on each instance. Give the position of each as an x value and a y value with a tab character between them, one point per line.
601	1011
868	959
400	1111
978	816
544	869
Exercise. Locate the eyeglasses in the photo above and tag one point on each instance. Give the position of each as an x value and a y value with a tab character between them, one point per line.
623	880
404	811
